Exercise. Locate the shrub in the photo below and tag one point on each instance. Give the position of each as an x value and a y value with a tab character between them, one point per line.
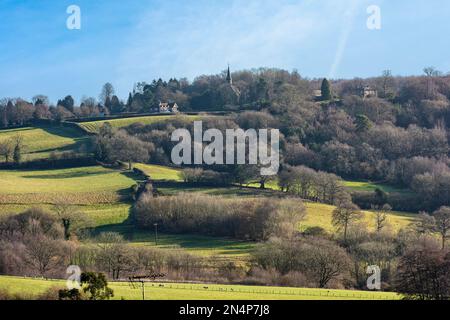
252	219
423	274
321	261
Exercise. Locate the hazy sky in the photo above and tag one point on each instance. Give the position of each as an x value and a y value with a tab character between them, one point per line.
138	40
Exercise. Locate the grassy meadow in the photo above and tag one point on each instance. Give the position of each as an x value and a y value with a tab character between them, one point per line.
178	291
157	173
365	186
39	143
94	126
72	180
98	192
320	215
100	215
368	186
199	245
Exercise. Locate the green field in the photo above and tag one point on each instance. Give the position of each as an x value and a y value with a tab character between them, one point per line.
94	126
194	244
73	180
372	186
366	186
99	214
86	185
99	192
156	172
178	291
320	215
39	143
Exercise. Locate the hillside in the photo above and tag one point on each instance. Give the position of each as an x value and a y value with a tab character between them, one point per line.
94	126
104	196
101	193
39	143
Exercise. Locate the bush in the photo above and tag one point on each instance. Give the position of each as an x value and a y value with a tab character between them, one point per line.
321	261
251	219
423	274
204	177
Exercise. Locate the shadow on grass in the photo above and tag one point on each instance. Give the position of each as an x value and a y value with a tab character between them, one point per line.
81	142
126	228
172	188
132	175
65	132
68	175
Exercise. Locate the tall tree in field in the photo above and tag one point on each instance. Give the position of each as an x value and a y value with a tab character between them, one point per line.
344	215
129	149
381	216
71	219
442	223
67	103
116	105
6	149
17	152
108	104
129	101
107	92
326	90
40	99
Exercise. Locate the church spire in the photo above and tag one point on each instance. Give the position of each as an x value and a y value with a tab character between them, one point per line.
229	79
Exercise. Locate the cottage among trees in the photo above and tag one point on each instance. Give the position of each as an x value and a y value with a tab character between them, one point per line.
165	107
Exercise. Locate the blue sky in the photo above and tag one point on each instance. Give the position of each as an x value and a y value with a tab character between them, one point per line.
137	40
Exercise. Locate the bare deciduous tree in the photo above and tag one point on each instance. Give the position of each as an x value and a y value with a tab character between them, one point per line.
442	223
6	149
344	215
381	214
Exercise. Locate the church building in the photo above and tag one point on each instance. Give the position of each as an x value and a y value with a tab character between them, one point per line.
233	92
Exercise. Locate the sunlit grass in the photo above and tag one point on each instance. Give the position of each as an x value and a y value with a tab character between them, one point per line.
320	215
371	186
38	143
160	172
183	291
98	214
72	180
94	126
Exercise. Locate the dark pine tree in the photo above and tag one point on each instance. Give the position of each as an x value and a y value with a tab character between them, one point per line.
326	90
